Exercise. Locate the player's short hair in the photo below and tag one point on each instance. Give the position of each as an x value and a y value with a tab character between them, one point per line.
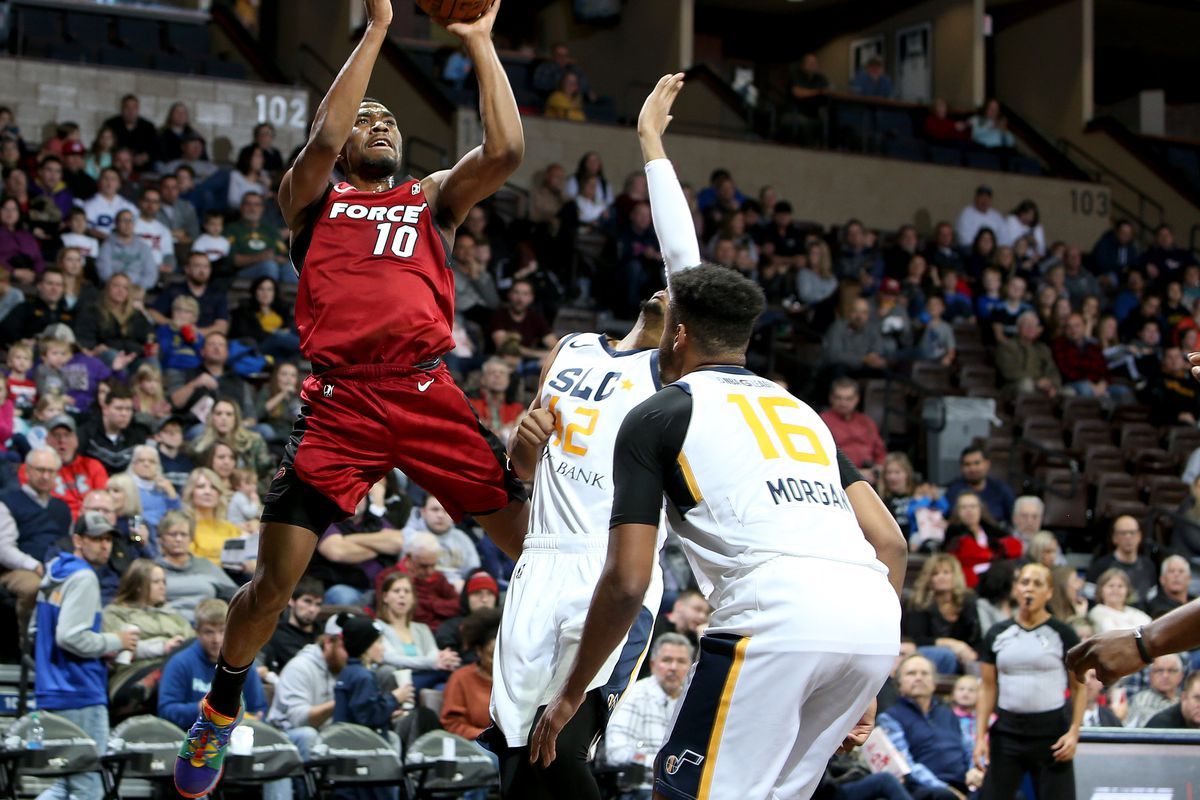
375	102
718	305
211	612
677	639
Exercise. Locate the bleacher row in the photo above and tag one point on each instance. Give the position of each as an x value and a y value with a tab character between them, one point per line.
118	41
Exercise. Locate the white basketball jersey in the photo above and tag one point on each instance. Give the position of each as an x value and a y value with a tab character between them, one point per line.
590	387
762	473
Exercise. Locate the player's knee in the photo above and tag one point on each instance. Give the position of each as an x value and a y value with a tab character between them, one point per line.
268	593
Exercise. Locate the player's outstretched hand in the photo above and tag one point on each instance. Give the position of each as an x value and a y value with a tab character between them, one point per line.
536	428
545	734
859	733
478	27
656	111
379	12
1194	360
1113	655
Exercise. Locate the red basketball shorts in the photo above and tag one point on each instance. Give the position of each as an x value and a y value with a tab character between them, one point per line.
357	423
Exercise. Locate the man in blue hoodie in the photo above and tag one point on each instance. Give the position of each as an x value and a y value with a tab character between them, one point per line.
72	679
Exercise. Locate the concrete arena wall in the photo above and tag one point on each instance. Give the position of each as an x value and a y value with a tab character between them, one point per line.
824	187
223	111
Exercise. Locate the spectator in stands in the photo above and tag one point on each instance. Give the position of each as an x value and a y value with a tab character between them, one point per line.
297	629
255	246
480	591
783	239
939	128
929	736
941	251
1166	676
897	257
976	539
1027	514
492	404
205	499
816	284
1024	221
1186	713
78	181
1165	261
249	176
978	214
640	722
193	157
1126	540
99	155
409	645
465	705
688	617
590	166
639	262
566	101
103	207
548	75
854	345
350	553
982	255
113	328
31	520
1004	316
1115	253
548	197
188	674
303	701
131	181
1097	715
278	403
996	602
214	307
134	131
856	434
1069	602
49	184
75	237
212	242
111	437
1082	364
139	604
1114	610
264	140
170	138
123	253
517	320
177	214
942	618
1043	549
857	260
974	468
154	233
475	295
71	679
224	424
265	318
156	493
357	697
1079	283
212	380
1175	399
190	579
989	129
168	440
807	84
78	474
178	342
872	81
1175	576
938	342
1026	365
458	555
19	249
437	600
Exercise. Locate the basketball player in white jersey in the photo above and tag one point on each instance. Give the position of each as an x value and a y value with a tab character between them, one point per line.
565	444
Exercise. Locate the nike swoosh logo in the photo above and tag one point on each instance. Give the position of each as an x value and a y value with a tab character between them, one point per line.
575	343
423	386
340	190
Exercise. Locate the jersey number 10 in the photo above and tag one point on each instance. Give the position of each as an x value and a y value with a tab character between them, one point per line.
404	243
784	431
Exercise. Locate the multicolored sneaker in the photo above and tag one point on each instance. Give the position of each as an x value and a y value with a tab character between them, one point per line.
201	760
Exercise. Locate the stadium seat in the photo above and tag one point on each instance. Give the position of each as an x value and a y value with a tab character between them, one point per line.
1152	460
1033	405
1079	408
931	376
1066	503
1087	432
977	376
1117	486
1101	460
1165	491
1182	442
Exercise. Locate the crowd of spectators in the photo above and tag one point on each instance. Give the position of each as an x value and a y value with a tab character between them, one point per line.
152	374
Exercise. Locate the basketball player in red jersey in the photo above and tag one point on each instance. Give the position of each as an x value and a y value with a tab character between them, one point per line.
374	312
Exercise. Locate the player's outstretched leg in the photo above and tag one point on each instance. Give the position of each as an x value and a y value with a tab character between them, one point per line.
283	556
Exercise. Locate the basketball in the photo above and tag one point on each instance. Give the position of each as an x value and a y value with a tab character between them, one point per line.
454	10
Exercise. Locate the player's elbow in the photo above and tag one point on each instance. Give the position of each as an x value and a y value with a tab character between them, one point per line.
506	154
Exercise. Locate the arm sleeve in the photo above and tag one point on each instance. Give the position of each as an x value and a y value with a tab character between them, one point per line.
11	556
920	773
850	473
672	217
649	443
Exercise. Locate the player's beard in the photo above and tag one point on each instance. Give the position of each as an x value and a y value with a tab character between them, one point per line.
376	168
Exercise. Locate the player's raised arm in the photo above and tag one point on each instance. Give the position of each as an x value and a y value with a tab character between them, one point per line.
668	206
335	118
486	168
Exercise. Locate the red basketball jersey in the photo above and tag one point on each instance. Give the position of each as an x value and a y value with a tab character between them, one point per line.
376	283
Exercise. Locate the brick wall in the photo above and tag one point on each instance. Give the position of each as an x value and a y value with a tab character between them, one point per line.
223	111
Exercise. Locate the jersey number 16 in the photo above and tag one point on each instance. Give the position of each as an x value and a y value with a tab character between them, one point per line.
784	431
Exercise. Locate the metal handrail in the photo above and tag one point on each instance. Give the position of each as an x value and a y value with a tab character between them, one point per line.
1100	171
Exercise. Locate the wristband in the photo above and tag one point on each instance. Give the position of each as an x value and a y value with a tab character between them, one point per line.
1141	644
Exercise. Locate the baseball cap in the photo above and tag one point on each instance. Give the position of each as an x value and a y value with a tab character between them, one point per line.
890	286
480	582
94	524
73	148
61	421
